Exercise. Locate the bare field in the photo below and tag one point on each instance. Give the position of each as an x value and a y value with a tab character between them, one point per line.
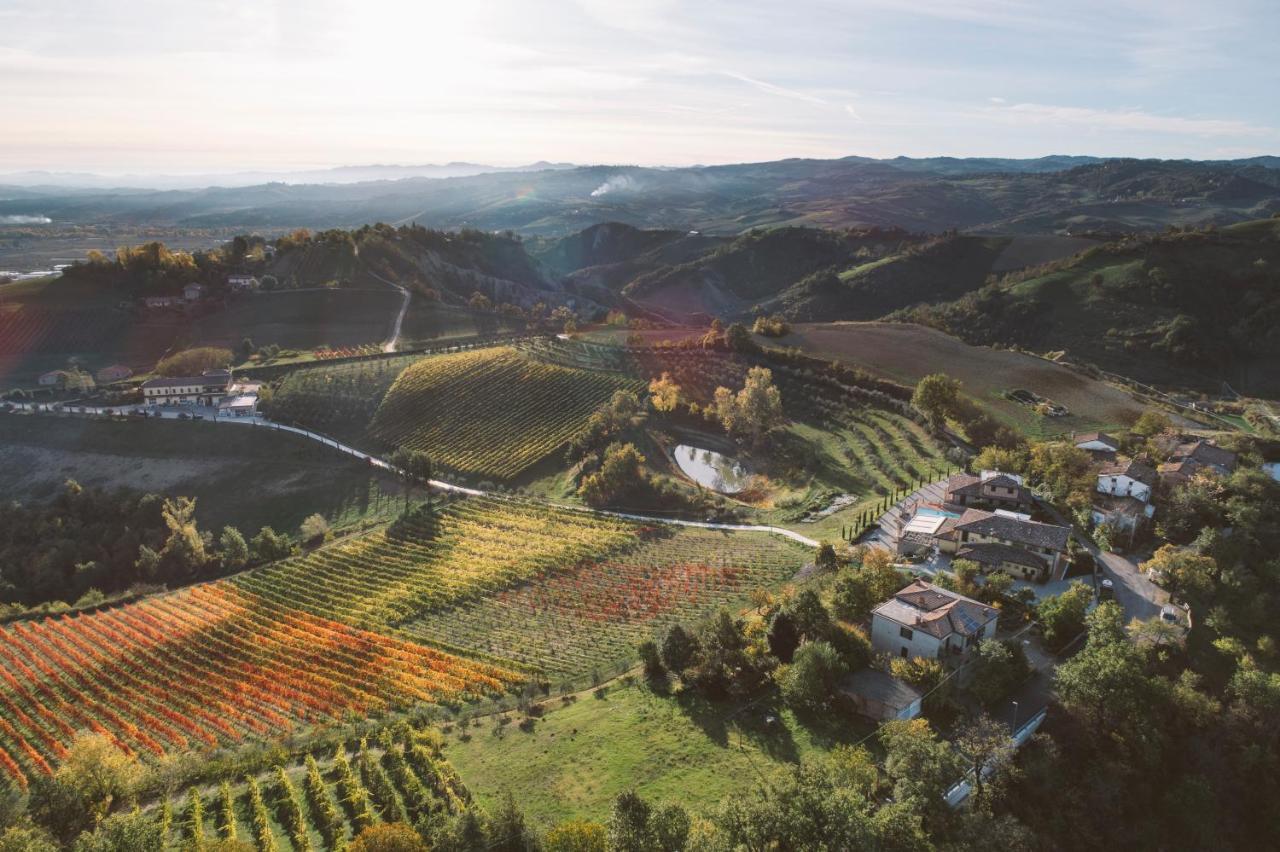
905	353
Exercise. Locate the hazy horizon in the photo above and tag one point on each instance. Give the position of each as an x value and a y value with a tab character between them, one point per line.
144	87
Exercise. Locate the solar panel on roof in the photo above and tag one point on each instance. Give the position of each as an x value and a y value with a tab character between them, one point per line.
966	621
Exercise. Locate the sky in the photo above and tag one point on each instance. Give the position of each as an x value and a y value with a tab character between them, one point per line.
164	87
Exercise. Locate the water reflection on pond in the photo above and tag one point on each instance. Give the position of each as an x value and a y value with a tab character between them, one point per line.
712	470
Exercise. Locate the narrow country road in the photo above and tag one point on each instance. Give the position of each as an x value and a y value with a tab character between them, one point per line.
476	492
393	342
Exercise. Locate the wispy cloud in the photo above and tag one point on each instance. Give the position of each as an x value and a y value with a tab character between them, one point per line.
772	89
1124	120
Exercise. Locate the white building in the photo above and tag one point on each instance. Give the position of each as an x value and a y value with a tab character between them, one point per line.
1099	443
193	292
241	283
1127	478
924	620
209	388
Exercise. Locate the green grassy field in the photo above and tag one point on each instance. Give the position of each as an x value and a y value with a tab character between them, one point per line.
239	475
581	755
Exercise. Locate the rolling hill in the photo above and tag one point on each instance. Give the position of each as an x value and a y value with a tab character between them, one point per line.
1192	308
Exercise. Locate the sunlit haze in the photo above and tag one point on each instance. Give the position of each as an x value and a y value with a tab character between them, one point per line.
149	87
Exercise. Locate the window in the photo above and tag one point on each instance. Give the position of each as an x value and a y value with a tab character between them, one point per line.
905	633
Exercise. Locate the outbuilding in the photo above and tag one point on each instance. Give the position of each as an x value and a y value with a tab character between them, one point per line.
881	696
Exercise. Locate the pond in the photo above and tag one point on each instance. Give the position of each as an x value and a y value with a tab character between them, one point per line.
712	470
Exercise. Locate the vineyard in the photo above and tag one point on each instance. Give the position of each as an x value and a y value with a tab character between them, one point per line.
594	614
202	668
337	399
880	449
321	801
424	564
491	412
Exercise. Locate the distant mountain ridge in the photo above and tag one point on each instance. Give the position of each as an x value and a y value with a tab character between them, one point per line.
1050	195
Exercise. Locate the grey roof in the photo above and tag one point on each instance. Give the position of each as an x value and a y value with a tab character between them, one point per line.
964	483
1206	453
994	554
937	611
1013	529
1102	437
879	686
1135	470
211	378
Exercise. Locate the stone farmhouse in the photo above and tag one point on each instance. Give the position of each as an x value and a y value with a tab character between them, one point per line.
1013	543
208	388
1127	478
989	490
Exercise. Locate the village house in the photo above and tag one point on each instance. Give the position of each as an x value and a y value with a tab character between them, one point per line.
193	292
114	373
1100	445
242	283
1188	458
924	620
241	400
1127	478
1010	542
52	378
991	489
209	388
1122	513
162	301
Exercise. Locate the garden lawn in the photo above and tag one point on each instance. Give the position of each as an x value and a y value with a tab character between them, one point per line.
581	756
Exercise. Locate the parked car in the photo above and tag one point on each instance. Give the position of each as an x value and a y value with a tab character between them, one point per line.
1171	614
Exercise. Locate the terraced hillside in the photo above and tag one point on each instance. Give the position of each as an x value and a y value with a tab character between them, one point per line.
492	412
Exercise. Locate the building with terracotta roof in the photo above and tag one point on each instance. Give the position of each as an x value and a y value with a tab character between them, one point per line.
1098	444
991	489
924	620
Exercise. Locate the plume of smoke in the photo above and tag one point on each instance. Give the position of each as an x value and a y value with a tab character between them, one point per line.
614	184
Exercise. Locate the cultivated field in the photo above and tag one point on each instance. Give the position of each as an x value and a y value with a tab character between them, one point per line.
239	475
204	667
905	353
302	319
339	400
491	412
424	564
591	615
320	801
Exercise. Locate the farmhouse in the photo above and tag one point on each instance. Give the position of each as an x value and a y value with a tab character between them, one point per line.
1010	542
114	373
989	490
924	620
162	301
193	292
1124	513
242	283
1126	478
1190	457
1098	444
880	695
209	388
52	378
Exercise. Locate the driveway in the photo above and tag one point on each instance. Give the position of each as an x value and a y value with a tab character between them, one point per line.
1136	594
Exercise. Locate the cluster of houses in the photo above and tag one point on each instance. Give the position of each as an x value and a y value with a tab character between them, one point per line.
196	292
986	518
1126	487
211	389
